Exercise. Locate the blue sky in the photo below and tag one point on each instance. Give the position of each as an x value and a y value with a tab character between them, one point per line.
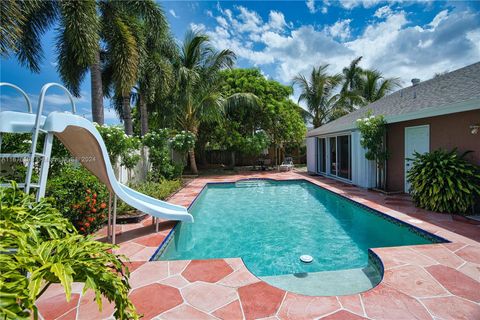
404	39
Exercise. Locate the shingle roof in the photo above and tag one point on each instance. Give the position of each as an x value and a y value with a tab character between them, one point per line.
454	87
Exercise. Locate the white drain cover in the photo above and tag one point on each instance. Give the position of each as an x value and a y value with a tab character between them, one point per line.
306	258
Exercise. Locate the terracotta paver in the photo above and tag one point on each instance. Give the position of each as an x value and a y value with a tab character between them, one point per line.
56	306
387	303
233	310
154	299
452	308
420	282
303	307
343	315
456	282
260	300
148	273
207	270
208	296
185	312
414	281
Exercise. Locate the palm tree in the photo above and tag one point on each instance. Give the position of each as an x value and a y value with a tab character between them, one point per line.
198	96
375	86
125	25
352	76
77	35
318	93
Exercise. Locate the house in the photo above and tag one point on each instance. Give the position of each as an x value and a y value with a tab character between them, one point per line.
443	112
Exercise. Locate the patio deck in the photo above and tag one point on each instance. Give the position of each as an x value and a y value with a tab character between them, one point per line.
438	281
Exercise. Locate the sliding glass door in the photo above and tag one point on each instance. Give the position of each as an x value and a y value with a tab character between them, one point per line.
344	157
322	156
334	156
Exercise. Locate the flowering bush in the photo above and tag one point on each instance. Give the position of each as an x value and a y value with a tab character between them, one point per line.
159	155
373	129
120	145
80	197
183	141
89	212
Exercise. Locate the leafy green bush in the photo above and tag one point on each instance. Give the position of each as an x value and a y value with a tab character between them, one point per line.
373	130
80	197
159	154
158	190
39	247
444	181
120	145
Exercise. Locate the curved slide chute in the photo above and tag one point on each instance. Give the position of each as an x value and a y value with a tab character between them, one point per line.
85	143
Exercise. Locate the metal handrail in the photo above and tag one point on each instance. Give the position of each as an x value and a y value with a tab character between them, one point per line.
29	104
41	101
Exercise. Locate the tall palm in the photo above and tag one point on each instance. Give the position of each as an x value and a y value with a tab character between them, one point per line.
350	93
77	35
318	93
123	28
352	76
198	97
375	85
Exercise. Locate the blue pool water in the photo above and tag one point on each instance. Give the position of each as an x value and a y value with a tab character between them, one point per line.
270	224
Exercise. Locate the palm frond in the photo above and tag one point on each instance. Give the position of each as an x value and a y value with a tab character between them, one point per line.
77	42
39	17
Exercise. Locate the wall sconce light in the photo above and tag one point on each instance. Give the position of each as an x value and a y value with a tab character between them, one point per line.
474	128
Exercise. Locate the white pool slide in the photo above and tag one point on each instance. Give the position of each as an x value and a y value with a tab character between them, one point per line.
85	144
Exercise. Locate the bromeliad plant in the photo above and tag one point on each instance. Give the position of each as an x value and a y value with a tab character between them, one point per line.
39	247
444	181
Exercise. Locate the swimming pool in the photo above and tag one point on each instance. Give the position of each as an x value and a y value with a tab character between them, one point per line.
270	224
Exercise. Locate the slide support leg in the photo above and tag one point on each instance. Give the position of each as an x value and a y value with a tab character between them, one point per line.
114	222
109	223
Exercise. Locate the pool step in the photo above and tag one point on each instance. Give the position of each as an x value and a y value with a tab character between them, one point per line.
327	283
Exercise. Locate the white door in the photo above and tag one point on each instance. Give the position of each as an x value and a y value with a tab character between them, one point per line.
417	139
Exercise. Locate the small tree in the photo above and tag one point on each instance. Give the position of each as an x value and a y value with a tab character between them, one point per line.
373	130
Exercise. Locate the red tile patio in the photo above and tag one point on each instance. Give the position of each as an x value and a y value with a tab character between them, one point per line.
438	281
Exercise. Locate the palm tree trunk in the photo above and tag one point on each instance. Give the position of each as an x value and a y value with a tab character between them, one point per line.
143	116
127	115
193	163
97	91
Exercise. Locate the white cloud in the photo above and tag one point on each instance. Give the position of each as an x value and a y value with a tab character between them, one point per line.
340	29
172	12
438	18
311	6
324	9
383	12
276	20
350	4
393	44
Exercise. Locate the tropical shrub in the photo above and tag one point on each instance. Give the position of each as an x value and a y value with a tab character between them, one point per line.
159	154
39	247
80	197
444	181
158	190
120	145
373	129
183	141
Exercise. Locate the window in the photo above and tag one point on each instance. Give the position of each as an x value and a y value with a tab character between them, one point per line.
334	156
